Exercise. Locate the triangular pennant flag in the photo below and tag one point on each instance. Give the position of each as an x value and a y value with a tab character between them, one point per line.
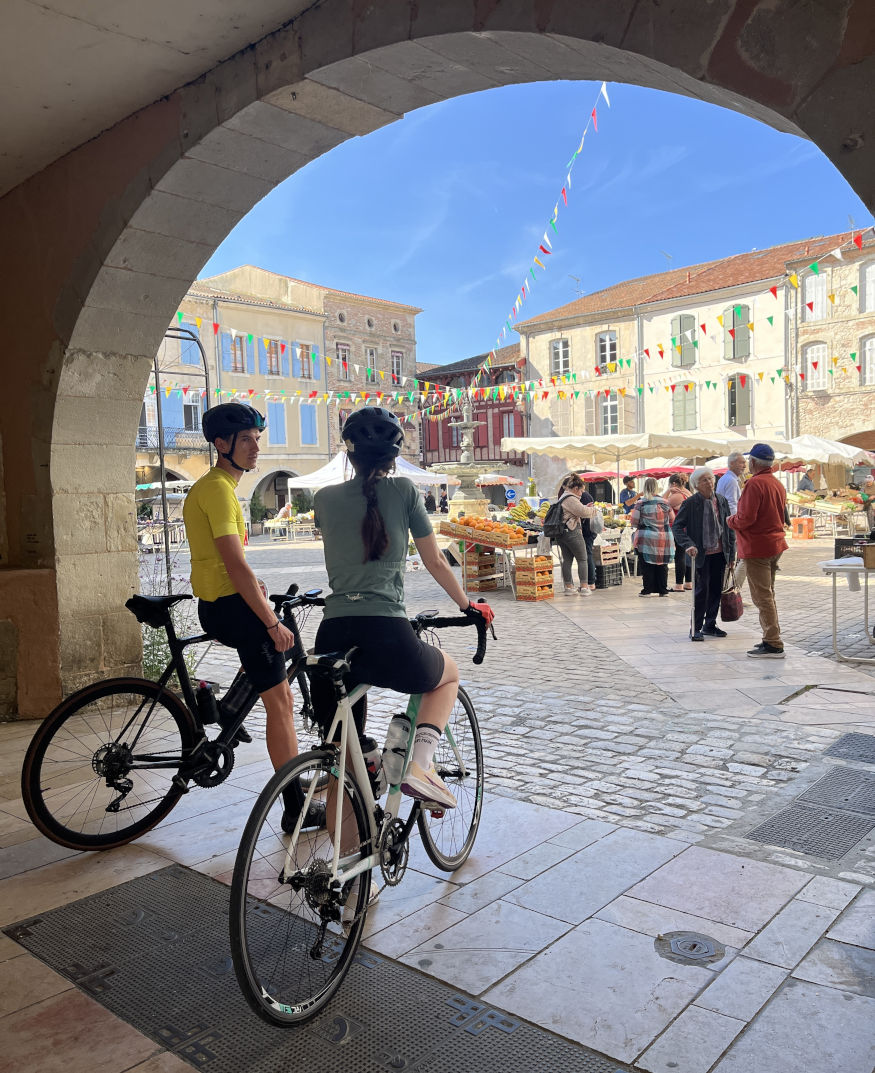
814	364
595	123
720	321
249	337
198	321
815	268
774	291
810	306
179	315
855	289
732	332
794	279
564	195
743	379
761	375
702	329
858	241
771	320
604	93
832	298
215	328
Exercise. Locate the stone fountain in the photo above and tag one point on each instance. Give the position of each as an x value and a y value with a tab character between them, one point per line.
468	498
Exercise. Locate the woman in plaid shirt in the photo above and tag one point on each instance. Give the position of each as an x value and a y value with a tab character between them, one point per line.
652	517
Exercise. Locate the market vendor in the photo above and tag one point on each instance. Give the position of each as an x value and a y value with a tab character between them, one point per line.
867	498
806	484
628	497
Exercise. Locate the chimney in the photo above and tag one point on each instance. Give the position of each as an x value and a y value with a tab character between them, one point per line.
688	275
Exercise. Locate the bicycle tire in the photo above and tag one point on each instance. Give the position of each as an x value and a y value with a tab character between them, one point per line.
448	836
65	793
274	924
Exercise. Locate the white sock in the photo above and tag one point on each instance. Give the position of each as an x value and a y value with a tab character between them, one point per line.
425	742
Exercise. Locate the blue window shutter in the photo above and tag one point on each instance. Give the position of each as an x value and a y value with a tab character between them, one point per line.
190	355
284	359
262	357
226	352
276	422
308	423
250	356
171	416
314	354
296	361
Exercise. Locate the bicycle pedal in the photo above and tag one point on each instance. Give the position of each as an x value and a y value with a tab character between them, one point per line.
241	736
180	783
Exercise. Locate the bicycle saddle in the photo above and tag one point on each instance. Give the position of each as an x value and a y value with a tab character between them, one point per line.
153	610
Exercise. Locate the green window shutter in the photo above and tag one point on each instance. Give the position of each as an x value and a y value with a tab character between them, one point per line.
742	335
728	342
744	396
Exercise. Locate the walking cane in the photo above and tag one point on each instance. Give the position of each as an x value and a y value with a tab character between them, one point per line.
693	560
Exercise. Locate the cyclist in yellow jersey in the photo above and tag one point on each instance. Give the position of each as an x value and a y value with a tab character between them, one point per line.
231	606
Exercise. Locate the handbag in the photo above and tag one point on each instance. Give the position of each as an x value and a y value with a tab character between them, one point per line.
731	605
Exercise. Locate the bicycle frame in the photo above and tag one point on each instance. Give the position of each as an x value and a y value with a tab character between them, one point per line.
349	746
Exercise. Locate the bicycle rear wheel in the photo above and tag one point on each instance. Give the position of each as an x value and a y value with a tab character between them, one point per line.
99	771
289	945
448	835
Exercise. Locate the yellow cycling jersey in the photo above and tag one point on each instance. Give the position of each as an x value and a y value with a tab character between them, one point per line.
211	510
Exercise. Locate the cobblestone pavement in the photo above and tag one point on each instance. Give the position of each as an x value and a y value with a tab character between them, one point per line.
603	731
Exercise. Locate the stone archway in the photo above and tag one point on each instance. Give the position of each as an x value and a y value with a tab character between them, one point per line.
106	240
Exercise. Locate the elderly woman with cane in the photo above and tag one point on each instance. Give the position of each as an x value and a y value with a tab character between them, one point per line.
700	529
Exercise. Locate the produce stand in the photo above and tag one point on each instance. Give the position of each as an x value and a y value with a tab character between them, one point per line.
838	512
489	560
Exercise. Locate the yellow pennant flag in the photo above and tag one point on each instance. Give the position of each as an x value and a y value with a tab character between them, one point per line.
328	360
832	298
622	391
266	342
835	361
720	321
750	326
167	391
537	262
794	279
382	375
198	321
761	375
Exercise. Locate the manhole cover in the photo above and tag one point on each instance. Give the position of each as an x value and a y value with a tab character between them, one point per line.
854	747
689	948
820	832
843	788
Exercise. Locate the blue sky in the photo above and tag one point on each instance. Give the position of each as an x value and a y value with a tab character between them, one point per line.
445	208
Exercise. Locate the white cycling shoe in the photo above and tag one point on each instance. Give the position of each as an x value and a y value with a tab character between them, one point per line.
426	786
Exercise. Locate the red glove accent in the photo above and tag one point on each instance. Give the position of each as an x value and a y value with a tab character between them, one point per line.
483	608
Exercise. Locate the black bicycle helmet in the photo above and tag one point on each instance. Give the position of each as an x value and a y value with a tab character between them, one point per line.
373	431
229	418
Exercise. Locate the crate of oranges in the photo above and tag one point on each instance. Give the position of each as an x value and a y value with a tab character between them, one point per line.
493	534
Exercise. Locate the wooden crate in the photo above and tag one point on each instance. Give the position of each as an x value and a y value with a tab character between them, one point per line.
537	594
485	584
606	555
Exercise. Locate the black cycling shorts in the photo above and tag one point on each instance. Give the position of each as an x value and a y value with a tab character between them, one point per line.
389	655
233	623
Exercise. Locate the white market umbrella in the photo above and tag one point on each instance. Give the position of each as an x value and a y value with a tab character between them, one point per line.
339	470
829	452
627	448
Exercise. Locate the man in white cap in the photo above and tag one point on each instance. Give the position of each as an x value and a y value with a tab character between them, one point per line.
759	529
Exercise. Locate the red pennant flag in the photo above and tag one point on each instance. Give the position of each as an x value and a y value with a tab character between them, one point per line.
313	394
595	120
810	306
215	328
814	364
282	348
858	241
732	332
859	368
543	250
673	386
774	291
802	376
598	371
743	379
251	392
564	196
185	390
686	387
647	352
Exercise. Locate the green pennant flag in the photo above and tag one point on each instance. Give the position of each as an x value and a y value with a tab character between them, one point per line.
574	377
771	320
179	315
249	338
854	356
576	394
674	341
772	379
830	371
778	372
707	383
815	268
640	389
738	312
652	389
854	289
696	343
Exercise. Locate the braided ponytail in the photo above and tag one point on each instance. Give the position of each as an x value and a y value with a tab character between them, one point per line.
374	536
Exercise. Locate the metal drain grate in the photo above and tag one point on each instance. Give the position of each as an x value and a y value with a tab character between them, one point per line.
843	788
820	832
854	747
155	952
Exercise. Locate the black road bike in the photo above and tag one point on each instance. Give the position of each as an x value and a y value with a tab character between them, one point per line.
112	759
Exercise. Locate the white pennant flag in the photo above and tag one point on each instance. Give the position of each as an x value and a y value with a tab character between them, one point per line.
356	367
546	240
604	93
837	252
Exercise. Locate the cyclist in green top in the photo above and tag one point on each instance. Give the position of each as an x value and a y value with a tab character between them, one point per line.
366	523
231	605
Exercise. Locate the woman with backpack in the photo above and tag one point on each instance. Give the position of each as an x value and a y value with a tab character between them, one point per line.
571	539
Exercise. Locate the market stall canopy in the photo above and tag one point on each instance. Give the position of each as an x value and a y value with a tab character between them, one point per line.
828	452
604	450
604	475
486	480
662	471
339	470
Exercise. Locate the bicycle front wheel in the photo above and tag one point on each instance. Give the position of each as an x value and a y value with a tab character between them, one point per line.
293	936
448	835
99	771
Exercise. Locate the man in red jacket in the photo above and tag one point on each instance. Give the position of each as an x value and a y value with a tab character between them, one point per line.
759	529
